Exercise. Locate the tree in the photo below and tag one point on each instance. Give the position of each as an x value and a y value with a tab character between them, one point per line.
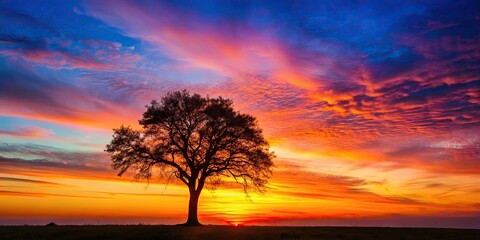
198	140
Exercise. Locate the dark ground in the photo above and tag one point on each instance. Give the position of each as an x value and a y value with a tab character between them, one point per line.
228	232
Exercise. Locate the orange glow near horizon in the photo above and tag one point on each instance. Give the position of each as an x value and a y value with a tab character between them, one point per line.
293	193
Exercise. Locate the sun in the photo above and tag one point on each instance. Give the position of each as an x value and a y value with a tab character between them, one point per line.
235	224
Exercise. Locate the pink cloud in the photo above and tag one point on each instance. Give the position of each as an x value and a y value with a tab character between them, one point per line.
27	132
229	49
27	95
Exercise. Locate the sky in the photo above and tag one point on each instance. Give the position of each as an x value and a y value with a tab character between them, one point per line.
371	107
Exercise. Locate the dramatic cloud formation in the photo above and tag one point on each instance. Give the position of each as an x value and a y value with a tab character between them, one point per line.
373	109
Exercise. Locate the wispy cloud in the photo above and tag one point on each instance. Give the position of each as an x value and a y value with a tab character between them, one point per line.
24	180
27	132
26	94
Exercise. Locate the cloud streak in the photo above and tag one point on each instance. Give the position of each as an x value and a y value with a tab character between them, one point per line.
26	94
26	132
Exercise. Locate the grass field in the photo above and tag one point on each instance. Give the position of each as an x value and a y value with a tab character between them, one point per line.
228	232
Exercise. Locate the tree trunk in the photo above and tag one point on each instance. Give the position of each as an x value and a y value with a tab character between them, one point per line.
193	209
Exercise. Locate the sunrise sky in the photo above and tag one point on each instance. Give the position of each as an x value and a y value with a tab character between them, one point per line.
373	109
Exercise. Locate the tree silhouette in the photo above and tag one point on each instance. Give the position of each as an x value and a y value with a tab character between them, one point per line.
196	139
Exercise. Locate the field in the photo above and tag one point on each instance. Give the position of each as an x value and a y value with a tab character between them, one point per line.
228	232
